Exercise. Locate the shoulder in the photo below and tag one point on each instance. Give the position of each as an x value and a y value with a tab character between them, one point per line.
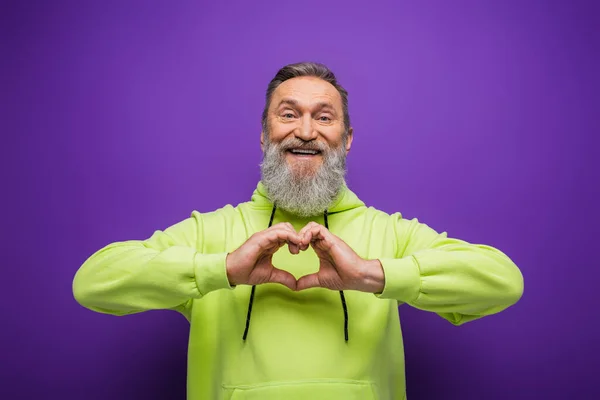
225	215
381	215
401	224
224	210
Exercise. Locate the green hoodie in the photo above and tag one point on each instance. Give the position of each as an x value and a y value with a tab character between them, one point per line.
296	348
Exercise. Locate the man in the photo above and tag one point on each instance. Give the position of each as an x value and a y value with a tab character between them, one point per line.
294	294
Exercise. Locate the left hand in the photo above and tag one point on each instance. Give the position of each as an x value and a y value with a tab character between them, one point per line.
340	267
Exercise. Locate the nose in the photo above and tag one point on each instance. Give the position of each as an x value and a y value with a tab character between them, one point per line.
306	131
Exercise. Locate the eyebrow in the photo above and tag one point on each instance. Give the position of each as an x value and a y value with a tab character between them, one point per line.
319	106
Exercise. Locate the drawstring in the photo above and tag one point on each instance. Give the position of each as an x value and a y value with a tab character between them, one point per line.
254	286
341	292
325	214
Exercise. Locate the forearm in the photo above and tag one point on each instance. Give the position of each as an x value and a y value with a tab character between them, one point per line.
456	279
128	277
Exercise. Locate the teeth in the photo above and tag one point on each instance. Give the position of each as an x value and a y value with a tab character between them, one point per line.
301	151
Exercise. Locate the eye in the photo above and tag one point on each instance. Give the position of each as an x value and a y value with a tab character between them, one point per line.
288	115
324	118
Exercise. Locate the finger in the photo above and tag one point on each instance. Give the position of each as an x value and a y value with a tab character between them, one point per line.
272	249
308	281
275	246
317	232
292	235
305	232
307	227
304	246
282	225
290	227
285	225
294	248
283	277
307	236
304	228
279	236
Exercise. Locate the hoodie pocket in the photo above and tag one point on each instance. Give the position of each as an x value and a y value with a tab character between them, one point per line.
302	390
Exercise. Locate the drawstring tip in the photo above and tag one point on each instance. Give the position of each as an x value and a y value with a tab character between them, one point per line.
345	314
249	313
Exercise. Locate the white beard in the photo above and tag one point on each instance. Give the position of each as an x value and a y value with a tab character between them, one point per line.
298	190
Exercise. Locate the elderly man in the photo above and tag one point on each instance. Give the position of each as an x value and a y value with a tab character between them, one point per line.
294	293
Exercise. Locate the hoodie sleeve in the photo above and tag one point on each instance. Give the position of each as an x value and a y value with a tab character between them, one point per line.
165	271
457	280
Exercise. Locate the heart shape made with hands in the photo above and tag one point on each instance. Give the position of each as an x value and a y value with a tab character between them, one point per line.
340	267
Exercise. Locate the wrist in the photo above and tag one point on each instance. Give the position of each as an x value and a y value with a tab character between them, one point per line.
373	277
228	270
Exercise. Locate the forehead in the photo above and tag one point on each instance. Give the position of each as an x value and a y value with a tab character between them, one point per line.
306	91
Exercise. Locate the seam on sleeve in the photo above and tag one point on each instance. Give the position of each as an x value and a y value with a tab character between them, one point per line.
200	234
195	271
420	278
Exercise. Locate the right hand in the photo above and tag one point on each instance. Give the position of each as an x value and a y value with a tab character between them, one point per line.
251	263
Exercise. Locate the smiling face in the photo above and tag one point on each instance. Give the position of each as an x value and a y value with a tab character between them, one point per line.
305	146
306	119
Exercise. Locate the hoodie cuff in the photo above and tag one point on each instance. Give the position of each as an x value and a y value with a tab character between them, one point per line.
402	279
210	272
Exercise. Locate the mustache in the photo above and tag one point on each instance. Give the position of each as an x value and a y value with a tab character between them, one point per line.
294	143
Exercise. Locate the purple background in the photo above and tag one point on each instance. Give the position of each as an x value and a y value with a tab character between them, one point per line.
476	117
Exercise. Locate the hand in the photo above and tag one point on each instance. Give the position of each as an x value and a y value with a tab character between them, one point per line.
251	263
340	267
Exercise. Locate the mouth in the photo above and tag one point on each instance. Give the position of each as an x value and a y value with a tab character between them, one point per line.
304	153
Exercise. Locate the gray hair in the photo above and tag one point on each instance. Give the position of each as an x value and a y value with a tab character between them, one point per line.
306	69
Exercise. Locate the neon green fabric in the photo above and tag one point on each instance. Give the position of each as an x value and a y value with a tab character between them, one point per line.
295	348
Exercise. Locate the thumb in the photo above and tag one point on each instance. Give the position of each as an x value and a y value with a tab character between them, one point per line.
283	277
308	281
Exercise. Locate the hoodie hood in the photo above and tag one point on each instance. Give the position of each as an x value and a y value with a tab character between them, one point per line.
345	200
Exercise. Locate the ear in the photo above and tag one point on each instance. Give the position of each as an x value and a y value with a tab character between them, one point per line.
349	140
262	141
